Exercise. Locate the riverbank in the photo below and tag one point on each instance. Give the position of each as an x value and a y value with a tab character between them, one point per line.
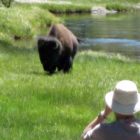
29	18
120	6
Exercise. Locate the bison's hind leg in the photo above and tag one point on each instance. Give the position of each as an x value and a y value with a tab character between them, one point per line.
67	64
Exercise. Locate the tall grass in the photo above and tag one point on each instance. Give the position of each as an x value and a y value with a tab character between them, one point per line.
36	106
67	9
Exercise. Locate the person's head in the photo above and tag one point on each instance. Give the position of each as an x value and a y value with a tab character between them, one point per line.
124	100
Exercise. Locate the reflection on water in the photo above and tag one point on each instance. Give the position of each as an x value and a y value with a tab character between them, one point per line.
108	41
119	33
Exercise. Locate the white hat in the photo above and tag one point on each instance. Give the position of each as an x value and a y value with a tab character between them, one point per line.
125	98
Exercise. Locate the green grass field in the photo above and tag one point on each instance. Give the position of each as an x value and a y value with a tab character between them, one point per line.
36	106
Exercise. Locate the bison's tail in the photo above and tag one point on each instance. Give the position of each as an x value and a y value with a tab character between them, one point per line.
80	40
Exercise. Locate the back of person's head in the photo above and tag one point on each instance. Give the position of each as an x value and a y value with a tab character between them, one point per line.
124	99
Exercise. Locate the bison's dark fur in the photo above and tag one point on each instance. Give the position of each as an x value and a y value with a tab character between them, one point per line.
57	50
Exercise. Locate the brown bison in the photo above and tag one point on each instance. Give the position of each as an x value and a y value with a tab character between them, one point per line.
57	49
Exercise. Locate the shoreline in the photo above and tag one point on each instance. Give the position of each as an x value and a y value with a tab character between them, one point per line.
67	7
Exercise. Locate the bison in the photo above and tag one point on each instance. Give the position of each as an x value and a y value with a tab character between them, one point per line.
57	49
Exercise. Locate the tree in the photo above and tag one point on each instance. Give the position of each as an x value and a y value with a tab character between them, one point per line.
6	3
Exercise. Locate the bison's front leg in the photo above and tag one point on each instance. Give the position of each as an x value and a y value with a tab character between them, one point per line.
49	69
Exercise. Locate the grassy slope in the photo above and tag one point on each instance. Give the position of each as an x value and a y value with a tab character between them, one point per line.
24	21
35	106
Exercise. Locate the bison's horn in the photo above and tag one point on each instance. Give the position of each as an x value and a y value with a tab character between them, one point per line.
56	46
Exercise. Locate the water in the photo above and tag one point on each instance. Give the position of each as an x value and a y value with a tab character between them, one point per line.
118	33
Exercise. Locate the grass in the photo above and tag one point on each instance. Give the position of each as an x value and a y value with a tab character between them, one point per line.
118	5
67	9
24	22
35	106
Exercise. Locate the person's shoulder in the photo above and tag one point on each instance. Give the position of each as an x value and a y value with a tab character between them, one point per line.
99	132
106	127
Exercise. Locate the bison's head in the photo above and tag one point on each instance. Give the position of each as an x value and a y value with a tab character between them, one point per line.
49	49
